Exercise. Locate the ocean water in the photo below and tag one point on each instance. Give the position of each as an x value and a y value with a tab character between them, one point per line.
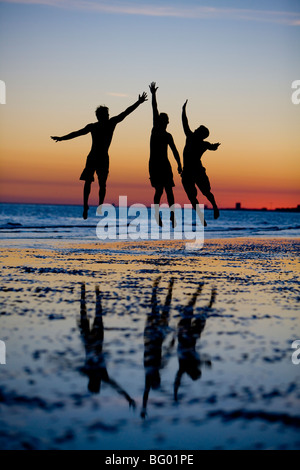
38	221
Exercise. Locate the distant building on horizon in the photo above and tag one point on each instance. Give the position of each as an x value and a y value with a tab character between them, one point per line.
238	206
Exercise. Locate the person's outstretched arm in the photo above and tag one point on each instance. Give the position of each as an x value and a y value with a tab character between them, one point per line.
142	98
121	391
176	154
153	89
185	123
72	135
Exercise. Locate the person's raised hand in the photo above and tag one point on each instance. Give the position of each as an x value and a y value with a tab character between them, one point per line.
57	139
143	97
153	87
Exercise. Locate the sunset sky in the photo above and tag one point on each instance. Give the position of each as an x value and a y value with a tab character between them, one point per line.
234	61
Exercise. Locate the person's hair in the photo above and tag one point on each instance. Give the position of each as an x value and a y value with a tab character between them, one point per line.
203	132
164	118
101	111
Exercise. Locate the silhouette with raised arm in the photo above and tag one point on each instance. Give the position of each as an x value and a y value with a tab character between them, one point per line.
98	158
194	173
160	170
155	333
95	366
190	328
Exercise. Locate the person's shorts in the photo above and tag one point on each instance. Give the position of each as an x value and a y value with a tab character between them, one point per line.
161	177
91	168
162	183
190	182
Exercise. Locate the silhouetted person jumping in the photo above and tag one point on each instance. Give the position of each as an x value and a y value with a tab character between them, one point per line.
161	176
194	173
98	158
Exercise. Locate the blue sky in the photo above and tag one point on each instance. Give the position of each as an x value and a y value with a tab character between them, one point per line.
234	60
79	42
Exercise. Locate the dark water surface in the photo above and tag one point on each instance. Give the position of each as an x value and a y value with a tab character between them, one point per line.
109	352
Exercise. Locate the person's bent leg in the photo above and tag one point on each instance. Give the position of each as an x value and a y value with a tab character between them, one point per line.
191	193
102	190
196	206
86	194
157	198
171	202
209	195
158	195
203	184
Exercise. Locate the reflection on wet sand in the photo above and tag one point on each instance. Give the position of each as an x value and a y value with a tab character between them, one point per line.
95	366
190	327
155	334
248	400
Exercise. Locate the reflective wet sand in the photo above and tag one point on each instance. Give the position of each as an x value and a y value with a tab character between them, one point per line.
148	346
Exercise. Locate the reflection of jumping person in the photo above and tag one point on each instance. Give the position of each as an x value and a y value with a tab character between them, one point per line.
156	331
98	159
190	328
95	366
194	173
161	176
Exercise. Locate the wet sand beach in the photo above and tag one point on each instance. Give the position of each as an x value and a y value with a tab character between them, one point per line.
144	345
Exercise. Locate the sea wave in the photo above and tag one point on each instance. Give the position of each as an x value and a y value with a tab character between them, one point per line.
24	221
19	227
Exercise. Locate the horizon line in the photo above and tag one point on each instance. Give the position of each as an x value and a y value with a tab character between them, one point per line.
148	206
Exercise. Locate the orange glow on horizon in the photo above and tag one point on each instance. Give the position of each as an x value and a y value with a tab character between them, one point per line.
37	170
71	193
239	86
